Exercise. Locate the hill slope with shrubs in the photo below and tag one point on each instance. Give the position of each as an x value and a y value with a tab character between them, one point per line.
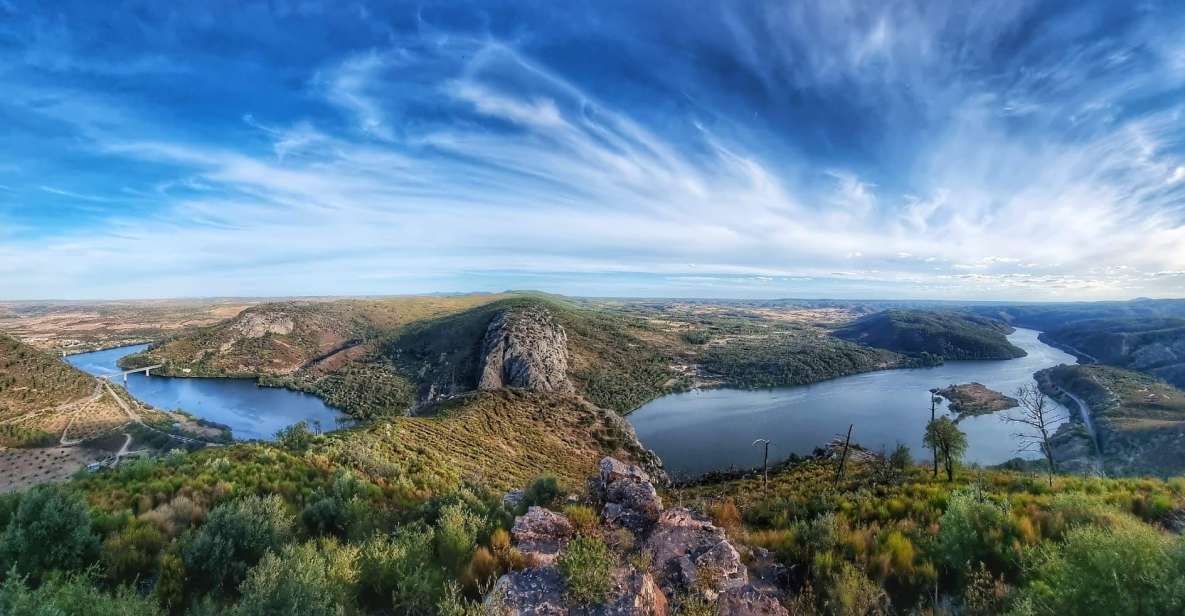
941	335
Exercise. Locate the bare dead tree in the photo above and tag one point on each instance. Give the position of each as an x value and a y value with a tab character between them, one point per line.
764	463
843	457
934	400
1038	417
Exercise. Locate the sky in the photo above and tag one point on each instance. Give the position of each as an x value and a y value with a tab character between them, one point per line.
745	149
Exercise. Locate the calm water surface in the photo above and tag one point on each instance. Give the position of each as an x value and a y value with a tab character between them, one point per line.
251	412
706	430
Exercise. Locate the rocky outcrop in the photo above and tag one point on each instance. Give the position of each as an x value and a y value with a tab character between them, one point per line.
258	323
525	348
540	535
689	557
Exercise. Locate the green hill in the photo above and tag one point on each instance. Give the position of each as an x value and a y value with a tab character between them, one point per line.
31	379
1155	346
1139	420
951	336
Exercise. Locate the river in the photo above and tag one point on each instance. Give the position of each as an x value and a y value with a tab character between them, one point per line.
713	429
250	411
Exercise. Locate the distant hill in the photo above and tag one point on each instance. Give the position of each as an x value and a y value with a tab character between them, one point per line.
1048	317
1139	420
948	335
31	379
1155	346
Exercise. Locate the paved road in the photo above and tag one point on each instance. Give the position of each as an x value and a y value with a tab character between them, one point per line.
1088	421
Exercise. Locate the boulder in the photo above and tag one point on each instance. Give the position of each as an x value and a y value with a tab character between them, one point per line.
530	592
748	601
681	537
628	486
721	567
540	535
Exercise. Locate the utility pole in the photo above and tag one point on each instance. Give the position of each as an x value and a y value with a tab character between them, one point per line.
843	458
764	464
933	404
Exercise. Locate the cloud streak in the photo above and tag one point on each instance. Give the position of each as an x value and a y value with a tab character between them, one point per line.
1026	152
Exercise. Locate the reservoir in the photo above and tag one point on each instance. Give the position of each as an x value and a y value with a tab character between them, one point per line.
713	429
250	411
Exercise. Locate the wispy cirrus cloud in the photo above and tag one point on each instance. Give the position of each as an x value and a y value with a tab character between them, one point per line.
782	149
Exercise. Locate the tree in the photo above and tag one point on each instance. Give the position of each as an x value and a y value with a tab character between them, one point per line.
235	537
1038	418
948	442
50	530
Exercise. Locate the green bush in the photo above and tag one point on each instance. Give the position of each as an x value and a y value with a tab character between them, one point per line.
74	595
313	579
235	537
1128	569
543	491
851	593
132	553
456	536
586	565
296	437
400	571
51	530
976	530
338	510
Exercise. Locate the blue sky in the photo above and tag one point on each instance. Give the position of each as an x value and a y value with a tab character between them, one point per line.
1003	150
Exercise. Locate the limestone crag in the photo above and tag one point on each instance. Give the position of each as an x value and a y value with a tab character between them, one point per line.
525	348
689	557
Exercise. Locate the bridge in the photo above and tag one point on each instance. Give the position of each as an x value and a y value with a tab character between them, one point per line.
146	370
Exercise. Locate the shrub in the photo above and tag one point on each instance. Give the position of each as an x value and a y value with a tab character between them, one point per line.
399	571
50	530
235	537
482	568
583	518
456	535
74	595
314	578
901	458
586	565
296	437
975	530
170	584
543	491
132	553
1128	569
851	593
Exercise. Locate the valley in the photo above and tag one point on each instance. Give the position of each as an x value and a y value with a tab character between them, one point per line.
467	411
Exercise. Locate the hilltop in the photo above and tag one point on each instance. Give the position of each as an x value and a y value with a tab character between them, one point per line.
942	335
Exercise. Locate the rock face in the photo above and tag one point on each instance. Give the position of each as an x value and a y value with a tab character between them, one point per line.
527	349
689	557
257	324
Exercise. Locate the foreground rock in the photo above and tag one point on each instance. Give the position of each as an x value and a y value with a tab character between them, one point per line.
688	557
540	535
525	348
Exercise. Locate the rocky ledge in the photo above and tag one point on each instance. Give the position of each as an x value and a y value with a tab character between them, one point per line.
666	559
525	348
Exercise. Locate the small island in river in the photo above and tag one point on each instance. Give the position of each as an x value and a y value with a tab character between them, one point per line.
971	399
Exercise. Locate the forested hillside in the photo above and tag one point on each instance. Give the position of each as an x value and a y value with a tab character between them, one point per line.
31	379
1139	420
935	334
1155	346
